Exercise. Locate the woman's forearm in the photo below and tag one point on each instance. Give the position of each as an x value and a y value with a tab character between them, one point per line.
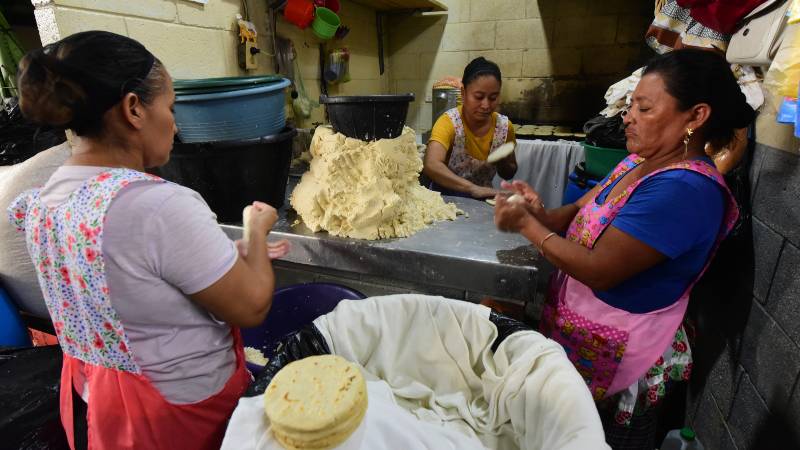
440	174
574	259
558	219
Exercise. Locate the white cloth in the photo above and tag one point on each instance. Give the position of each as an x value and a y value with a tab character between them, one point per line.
618	96
750	84
160	243
386	426
545	165
436	356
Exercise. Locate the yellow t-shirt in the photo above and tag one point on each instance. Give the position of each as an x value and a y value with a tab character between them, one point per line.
444	133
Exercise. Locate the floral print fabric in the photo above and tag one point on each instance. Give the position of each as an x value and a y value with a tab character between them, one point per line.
65	244
462	163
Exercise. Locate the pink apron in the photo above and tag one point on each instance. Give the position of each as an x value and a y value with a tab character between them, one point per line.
462	163
125	410
612	348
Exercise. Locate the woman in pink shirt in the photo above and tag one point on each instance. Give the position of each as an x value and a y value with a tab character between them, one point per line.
145	291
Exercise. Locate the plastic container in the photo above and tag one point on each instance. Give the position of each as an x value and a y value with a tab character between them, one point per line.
231	175
13	332
233	115
222	84
683	439
368	117
293	307
578	185
600	160
299	13
325	24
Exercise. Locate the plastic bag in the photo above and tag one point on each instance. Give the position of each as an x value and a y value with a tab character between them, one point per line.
29	392
783	75
310	342
20	139
602	131
337	69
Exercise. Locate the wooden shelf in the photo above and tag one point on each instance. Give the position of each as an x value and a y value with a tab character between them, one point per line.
403	5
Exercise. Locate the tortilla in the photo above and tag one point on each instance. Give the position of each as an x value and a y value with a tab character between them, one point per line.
501	152
316	403
491	201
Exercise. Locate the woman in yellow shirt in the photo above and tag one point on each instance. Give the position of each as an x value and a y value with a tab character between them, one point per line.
463	137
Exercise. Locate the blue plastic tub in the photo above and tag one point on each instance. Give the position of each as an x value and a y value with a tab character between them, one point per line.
232	115
12	330
577	186
294	307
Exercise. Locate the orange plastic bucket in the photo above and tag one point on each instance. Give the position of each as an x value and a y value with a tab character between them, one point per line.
299	12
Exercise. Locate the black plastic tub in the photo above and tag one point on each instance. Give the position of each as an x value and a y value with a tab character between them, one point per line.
368	117
232	174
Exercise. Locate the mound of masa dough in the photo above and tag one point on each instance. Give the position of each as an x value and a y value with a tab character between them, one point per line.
367	190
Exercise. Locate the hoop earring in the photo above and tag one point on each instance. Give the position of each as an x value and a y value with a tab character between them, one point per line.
686	140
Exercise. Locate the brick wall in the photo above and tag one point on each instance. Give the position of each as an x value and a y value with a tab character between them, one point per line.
558	57
197	41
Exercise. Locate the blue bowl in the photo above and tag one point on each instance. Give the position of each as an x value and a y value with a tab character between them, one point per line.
232	115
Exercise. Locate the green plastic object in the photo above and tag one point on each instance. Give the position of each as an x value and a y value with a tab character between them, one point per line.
600	160
223	84
687	433
325	24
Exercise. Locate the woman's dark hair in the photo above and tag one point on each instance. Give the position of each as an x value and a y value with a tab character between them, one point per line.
700	76
480	67
73	82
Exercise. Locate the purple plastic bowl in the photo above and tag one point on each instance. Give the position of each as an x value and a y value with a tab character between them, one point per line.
294	307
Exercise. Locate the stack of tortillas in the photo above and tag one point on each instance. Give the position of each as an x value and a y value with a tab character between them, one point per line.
316	403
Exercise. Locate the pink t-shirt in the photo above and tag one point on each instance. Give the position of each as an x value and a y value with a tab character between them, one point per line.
161	243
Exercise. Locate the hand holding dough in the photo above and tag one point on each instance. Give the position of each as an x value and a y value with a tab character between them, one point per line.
516	198
501	152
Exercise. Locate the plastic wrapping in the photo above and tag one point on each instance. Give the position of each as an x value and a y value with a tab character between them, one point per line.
608	132
29	395
783	75
309	342
21	139
302	344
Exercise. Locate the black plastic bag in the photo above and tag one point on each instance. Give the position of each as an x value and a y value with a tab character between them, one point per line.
310	342
608	132
29	399
21	139
302	344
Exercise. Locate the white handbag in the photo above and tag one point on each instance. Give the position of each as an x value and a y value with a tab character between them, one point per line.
757	40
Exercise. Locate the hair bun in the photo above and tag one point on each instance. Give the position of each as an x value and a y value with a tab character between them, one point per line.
46	97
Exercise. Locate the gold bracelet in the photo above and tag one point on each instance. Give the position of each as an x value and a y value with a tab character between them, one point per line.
541	244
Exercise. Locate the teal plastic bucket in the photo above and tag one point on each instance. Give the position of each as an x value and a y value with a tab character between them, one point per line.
231	115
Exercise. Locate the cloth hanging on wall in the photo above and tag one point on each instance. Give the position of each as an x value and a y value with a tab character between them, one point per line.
720	15
674	28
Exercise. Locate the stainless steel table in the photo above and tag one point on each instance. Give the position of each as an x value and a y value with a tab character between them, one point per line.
468	255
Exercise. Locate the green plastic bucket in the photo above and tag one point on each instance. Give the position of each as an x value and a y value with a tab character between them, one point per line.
601	160
325	24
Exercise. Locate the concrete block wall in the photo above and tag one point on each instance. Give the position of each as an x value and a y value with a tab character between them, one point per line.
197	41
557	57
746	392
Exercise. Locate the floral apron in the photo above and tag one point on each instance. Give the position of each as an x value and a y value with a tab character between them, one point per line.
125	410
462	163
615	350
